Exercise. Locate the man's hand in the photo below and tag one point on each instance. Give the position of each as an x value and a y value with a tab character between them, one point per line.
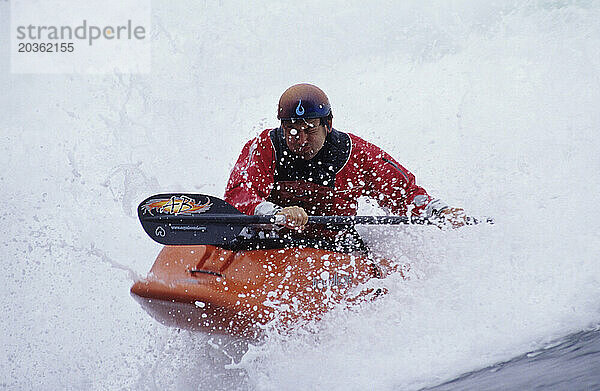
295	217
456	217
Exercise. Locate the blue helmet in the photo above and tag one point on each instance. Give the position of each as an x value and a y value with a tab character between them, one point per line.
303	101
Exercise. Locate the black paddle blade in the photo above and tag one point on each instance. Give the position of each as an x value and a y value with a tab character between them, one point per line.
177	219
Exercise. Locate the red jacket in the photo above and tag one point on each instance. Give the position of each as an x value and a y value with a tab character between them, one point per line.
347	167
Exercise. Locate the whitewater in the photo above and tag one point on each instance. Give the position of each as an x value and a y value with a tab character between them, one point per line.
492	105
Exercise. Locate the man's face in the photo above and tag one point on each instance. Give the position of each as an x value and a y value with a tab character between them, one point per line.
304	137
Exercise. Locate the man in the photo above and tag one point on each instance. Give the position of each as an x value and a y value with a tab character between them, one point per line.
306	167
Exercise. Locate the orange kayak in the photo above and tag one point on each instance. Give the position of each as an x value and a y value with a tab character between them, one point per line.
207	288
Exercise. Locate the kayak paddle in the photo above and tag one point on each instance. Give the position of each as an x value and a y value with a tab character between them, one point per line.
192	219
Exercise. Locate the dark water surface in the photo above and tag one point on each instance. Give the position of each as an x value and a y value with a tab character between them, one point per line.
572	363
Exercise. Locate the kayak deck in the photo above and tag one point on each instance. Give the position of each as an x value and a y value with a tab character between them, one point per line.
212	289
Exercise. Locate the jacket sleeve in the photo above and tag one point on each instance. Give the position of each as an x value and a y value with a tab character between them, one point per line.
251	179
394	187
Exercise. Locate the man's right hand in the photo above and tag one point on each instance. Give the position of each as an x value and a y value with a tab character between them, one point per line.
295	217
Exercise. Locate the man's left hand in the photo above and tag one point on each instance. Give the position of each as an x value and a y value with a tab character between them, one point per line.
455	217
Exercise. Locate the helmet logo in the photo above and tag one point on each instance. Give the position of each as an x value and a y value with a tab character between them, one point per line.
300	109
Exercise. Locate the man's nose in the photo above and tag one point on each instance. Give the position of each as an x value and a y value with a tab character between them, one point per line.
302	137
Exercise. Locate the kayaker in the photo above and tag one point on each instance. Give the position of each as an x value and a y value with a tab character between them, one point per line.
306	167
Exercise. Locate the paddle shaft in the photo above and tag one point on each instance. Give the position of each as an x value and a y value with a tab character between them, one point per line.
279	219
